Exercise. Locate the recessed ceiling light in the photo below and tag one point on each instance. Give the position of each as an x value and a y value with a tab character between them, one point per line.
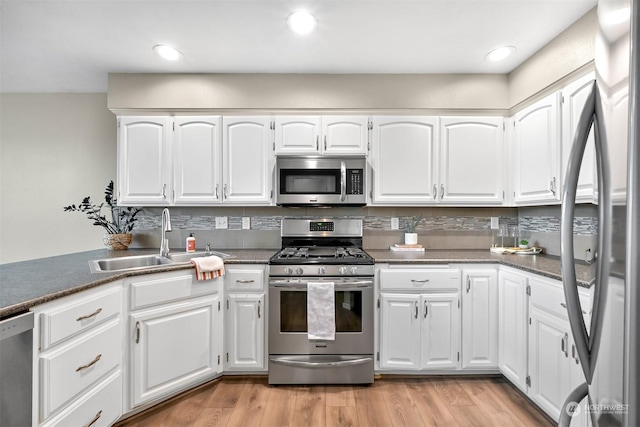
301	22
499	54
167	52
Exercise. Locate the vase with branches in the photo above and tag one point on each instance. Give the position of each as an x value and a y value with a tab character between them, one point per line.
122	219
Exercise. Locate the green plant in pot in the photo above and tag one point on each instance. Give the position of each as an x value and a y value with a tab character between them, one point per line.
524	244
118	227
411	237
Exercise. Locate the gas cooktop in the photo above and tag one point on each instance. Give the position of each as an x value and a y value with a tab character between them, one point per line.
321	255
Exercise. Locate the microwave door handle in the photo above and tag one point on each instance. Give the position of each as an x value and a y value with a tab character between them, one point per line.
343	181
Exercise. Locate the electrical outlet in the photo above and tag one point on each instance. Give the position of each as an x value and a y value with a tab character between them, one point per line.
246	223
495	223
221	223
395	223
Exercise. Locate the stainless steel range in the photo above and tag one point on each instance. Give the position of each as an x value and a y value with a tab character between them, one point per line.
321	252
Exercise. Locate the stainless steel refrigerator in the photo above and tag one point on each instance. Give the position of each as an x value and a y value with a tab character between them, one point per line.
608	347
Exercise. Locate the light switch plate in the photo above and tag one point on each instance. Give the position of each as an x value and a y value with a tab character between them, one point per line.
246	223
395	223
221	223
494	222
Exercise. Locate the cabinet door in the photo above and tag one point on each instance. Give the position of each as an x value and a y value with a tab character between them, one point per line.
404	155
173	346
144	172
297	134
471	160
197	160
400	331
537	153
245	327
512	327
480	319
574	97
440	331
345	134
549	367
248	160
581	418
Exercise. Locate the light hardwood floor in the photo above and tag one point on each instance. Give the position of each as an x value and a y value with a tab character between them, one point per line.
249	402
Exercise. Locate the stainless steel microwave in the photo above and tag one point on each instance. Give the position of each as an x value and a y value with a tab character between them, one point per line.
319	181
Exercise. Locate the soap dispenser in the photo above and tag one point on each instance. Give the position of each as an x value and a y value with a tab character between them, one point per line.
191	243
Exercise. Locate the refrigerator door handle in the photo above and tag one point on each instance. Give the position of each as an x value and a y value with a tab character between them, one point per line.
571	403
588	117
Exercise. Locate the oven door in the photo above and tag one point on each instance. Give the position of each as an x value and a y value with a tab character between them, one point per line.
288	317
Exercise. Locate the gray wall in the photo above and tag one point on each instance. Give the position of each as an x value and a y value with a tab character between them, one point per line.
55	149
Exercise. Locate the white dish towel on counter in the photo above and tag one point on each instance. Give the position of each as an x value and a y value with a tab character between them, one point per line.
321	311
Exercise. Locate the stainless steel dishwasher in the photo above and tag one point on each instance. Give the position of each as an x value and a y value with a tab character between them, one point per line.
16	370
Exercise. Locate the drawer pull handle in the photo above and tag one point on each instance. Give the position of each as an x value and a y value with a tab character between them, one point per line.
89	316
90	364
245	281
419	281
95	419
565	307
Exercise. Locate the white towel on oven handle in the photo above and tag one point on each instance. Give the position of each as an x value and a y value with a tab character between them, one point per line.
321	311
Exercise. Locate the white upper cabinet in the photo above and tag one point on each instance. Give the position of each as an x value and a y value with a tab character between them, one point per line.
537	153
321	134
144	173
345	134
404	158
471	160
574	97
248	160
195	160
196	154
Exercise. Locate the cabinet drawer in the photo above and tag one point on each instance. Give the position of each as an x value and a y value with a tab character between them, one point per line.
67	319
166	287
244	279
548	295
68	370
420	279
102	405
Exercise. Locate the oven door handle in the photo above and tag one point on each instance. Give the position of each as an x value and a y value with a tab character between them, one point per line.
302	364
339	286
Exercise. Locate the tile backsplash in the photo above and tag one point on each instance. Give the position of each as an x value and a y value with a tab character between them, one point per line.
440	228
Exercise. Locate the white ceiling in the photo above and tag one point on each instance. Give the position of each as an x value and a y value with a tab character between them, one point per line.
71	45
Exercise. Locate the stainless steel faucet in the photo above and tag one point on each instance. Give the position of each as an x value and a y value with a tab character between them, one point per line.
166	226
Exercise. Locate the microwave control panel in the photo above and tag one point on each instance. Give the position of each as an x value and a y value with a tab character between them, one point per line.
355	181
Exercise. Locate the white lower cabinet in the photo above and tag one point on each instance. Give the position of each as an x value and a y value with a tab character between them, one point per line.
419	319
554	367
78	358
512	329
480	318
245	324
245	315
174	333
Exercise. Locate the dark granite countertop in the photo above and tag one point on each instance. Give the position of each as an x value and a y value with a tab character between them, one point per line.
29	283
544	265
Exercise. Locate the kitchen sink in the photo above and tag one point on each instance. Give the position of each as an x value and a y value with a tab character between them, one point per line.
142	262
127	263
186	256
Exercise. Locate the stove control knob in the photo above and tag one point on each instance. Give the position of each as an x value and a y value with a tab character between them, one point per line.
321	270
299	271
354	270
288	270
342	270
